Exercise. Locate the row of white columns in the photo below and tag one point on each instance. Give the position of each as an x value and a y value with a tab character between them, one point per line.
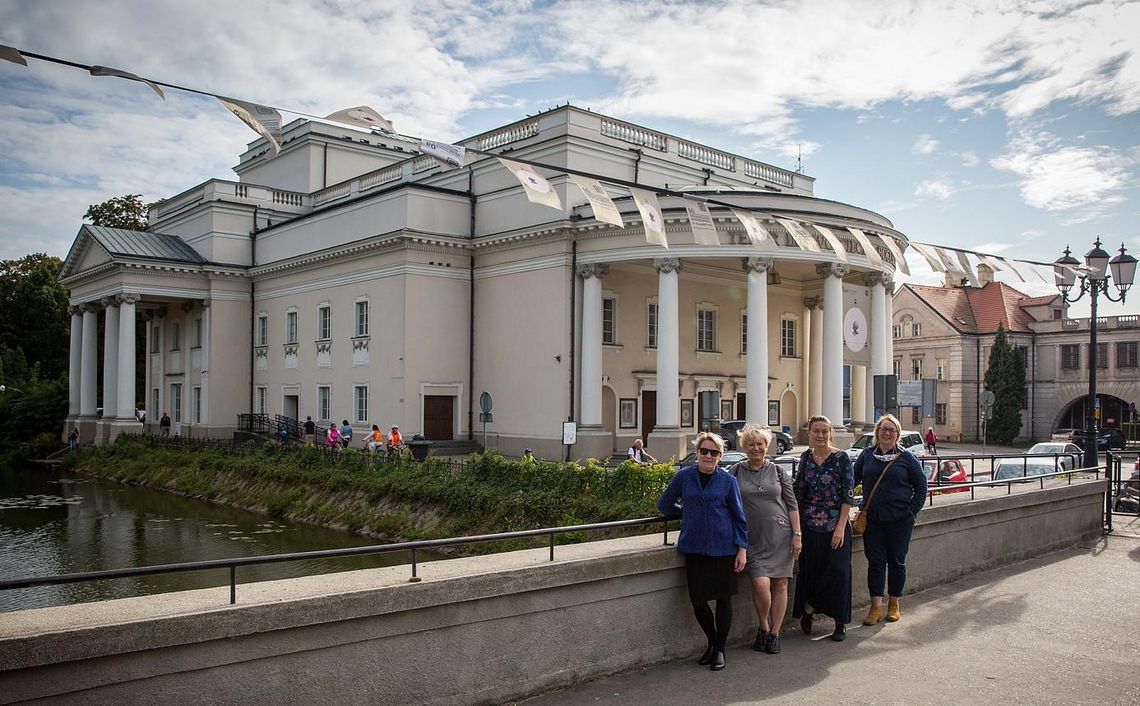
825	360
118	359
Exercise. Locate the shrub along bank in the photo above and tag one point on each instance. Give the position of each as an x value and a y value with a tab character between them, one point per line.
398	499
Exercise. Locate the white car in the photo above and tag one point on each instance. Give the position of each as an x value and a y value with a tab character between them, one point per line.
910	441
1065	458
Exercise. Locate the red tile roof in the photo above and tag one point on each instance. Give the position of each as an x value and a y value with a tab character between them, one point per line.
981	310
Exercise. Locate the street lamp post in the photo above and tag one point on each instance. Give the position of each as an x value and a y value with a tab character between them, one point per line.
1094	282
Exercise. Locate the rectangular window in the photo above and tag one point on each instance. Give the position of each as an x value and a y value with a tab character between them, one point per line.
609	321
916	415
1101	356
176	402
896	331
324	323
197	333
324	402
916	330
744	334
262	400
263	330
1056	314
940	413
196	404
897	368
651	326
1070	356
706	330
787	338
1126	354
176	337
362	318
291	327
360	403
916	369
941	368
155	339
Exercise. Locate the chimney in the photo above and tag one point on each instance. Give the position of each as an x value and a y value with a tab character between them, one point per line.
951	281
985	274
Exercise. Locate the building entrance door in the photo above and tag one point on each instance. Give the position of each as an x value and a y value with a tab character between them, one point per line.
291	406
648	413
439	417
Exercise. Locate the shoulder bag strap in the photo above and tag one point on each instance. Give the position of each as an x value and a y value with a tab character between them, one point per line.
867	505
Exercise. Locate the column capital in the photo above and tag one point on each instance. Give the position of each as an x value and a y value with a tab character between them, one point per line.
870	279
813	303
758	264
832	269
204	303
109	302
188	306
128	298
667	264
889	283
76	310
89	307
588	271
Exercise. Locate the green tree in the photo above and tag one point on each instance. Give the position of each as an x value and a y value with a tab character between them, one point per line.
127	211
33	312
1005	377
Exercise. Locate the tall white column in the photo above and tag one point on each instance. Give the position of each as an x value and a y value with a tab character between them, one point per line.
148	364
126	357
858	393
88	370
75	361
888	318
757	364
110	357
591	384
204	379
832	376
878	340
815	357
668	344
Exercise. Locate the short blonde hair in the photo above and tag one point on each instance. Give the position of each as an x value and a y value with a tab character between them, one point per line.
893	420
710	436
751	431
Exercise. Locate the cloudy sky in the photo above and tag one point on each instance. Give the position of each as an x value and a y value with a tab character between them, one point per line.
1007	127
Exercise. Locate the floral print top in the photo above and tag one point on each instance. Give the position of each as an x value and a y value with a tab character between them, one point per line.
822	488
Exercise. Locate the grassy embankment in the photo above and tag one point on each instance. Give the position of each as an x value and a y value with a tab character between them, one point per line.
399	500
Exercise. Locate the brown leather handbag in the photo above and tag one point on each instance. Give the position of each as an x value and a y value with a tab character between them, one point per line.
860	525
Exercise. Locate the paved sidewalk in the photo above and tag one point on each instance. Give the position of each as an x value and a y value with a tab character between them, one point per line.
1063	628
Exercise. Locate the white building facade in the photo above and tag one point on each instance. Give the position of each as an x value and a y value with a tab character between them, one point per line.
351	278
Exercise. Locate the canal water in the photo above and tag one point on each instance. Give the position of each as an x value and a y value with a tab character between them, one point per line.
52	522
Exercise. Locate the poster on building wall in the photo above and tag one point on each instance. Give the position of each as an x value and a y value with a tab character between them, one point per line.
856	324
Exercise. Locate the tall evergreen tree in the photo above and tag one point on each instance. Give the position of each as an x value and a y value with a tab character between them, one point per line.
1005	377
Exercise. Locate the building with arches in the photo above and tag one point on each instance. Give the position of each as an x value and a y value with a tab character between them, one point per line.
350	277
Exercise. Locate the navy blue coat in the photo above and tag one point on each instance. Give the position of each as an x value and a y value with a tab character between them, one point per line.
901	495
712	518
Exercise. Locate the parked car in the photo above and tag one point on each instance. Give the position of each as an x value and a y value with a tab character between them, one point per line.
787	464
1106	439
728	429
726	459
947	471
909	440
1066	457
1069	455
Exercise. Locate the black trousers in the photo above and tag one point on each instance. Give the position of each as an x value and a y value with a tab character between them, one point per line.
885	544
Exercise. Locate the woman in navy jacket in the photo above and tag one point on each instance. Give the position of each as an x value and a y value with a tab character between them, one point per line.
890	518
714	539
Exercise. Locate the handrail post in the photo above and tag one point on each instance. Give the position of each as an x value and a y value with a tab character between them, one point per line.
233	584
552	546
414	578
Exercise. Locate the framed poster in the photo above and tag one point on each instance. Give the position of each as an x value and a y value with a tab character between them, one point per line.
686	414
774	413
726	409
627	413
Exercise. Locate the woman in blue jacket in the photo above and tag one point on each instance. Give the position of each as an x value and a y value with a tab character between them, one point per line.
891	513
714	540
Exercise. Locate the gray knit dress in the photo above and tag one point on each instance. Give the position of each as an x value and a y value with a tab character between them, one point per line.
768	498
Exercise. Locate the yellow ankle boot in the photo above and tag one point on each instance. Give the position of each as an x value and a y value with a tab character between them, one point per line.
893	613
874	615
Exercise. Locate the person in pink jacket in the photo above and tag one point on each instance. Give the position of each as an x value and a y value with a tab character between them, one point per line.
333	437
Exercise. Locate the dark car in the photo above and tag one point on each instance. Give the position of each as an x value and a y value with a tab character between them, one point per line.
1106	439
728	429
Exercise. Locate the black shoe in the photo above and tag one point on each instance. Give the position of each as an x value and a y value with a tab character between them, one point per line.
773	647
707	657
840	632
717	663
805	623
761	641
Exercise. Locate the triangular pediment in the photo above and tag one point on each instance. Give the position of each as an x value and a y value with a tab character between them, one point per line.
85	254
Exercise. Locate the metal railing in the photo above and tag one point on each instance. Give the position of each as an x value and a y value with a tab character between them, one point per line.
232	564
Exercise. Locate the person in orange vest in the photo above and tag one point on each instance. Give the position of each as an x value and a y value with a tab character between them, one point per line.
394	440
375	440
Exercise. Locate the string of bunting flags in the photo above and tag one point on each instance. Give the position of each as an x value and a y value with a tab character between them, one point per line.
266	121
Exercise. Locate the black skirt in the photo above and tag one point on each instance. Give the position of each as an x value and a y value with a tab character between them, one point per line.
824	580
710	578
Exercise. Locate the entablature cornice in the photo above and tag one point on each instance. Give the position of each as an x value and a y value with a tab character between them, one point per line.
389	242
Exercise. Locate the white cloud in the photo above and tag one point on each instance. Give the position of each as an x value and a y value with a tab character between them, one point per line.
925	144
939	188
970	159
1057	177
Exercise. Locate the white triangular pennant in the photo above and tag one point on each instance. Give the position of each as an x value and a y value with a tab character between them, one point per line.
805	240
949	264
757	233
362	116
890	244
118	73
264	120
832	240
701	222
970	274
934	262
603	206
450	156
868	249
990	262
538	189
1014	270
12	54
651	220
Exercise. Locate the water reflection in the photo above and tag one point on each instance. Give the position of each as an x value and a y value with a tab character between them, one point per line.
53	523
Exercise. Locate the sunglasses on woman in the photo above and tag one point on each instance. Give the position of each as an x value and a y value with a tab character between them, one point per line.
709	452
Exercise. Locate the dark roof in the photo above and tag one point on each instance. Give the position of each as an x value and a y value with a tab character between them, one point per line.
979	309
120	242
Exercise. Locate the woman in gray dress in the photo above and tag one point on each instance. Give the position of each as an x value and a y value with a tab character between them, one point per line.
774	537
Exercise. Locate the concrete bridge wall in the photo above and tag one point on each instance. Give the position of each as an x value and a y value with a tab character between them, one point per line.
475	630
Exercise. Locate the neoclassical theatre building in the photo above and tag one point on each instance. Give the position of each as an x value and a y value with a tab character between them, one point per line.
350	277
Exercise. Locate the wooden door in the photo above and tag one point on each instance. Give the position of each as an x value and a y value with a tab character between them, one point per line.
648	413
439	417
